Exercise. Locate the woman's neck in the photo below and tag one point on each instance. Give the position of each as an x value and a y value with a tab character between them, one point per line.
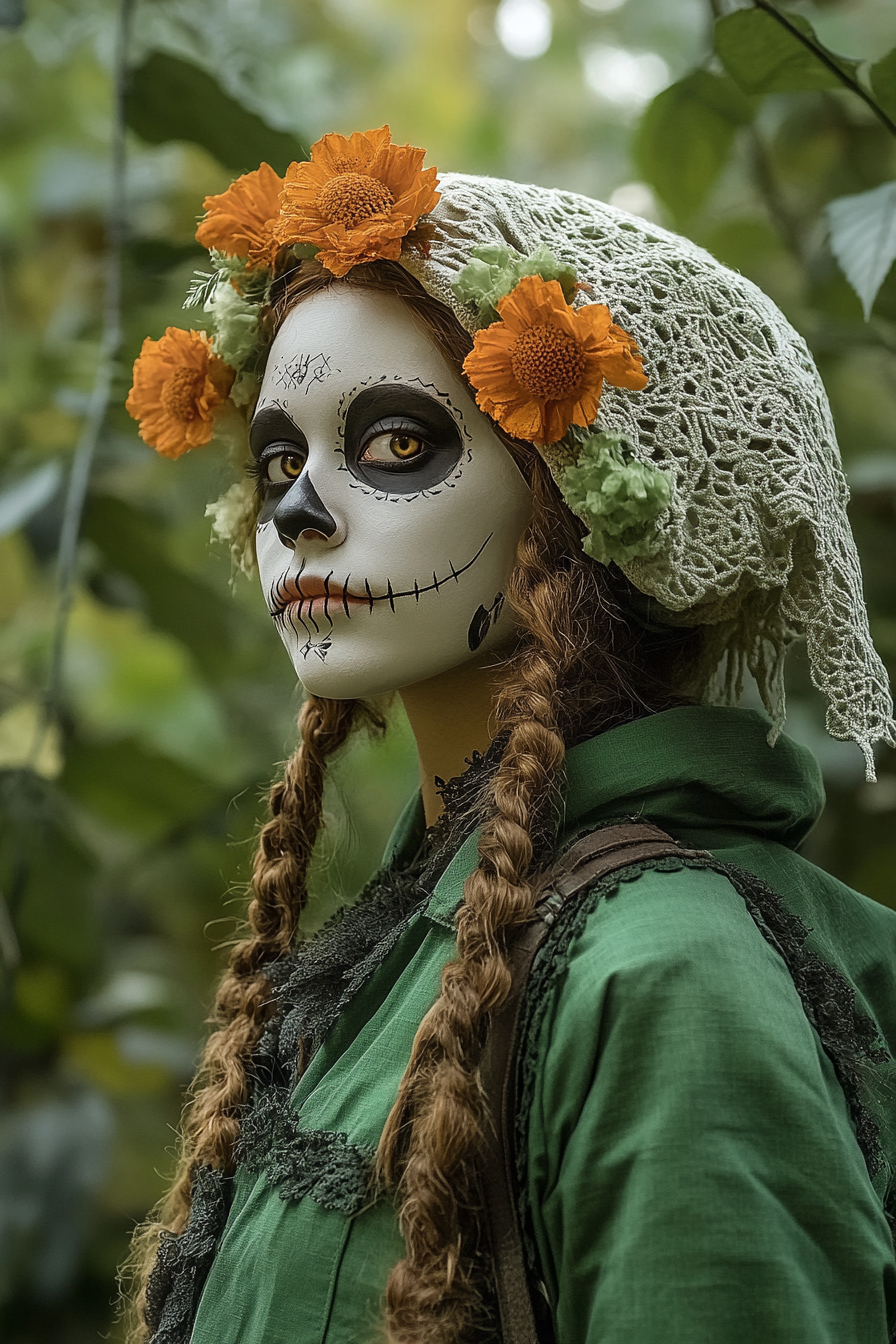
450	716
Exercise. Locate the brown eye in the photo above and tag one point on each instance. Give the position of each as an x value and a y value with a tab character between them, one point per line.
393	447
283	467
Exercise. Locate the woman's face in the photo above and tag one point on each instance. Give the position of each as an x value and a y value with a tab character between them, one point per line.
391	511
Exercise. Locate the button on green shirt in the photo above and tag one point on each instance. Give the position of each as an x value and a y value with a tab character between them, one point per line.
692	1175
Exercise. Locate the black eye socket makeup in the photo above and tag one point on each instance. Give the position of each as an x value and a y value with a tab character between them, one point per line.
279	452
400	440
397	439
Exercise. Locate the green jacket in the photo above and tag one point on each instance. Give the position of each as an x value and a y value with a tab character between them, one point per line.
697	1167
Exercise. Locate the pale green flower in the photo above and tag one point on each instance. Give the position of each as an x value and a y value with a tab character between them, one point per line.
236	325
233	517
495	269
617	495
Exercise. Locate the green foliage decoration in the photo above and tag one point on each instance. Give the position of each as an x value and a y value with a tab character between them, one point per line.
236	324
617	495
497	268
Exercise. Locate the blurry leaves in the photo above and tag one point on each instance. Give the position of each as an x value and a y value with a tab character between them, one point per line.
123	678
863	239
53	1157
685	137
42	993
98	1056
22	499
56	921
882	76
12	13
133	788
763	55
193	614
26	739
171	99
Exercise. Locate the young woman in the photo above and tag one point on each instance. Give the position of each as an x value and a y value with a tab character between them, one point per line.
557	479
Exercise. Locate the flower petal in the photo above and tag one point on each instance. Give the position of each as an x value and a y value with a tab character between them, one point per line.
175	414
237	222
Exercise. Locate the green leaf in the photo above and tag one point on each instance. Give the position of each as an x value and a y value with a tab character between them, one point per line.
685	136
57	919
762	56
194	614
170	99
22	499
883	82
863	239
134	788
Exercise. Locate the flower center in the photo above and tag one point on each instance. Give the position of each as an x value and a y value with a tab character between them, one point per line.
547	362
180	392
349	198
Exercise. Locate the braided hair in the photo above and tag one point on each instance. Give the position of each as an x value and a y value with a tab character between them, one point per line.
580	665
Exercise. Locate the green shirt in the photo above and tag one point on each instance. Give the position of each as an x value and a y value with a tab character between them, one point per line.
691	1169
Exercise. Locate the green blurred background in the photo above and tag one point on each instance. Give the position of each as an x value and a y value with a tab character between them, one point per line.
127	817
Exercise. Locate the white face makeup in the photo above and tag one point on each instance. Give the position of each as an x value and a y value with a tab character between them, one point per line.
391	511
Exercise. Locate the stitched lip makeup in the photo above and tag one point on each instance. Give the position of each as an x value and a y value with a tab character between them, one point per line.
313	596
304	592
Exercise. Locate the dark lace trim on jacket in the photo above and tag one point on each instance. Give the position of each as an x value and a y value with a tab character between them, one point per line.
319	979
183	1262
298	1162
850	1038
312	986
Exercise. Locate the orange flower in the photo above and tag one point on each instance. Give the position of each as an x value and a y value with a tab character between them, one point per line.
178	385
542	367
356	198
240	222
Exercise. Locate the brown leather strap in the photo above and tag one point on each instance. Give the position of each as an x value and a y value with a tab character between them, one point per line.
586	861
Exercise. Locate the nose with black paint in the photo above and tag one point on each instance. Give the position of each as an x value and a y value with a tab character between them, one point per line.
302	513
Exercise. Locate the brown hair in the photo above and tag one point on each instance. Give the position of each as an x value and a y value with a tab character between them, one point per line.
579	666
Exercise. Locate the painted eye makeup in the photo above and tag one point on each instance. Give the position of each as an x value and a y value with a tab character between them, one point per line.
400	440
279	450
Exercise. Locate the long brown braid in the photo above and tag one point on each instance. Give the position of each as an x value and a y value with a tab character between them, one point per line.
580	665
574	665
243	1003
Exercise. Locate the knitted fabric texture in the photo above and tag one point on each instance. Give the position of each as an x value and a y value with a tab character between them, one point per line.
755	544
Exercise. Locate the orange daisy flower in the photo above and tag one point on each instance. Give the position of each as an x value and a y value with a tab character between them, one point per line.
240	222
542	367
356	198
178	385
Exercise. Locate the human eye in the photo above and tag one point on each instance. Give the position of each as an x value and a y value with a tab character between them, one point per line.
391	445
280	465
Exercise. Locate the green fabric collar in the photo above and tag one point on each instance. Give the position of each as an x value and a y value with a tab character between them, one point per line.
702	768
699	767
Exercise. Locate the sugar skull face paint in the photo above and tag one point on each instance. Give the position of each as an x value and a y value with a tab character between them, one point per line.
391	511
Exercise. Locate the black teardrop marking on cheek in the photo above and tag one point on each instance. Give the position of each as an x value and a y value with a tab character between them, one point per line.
482	622
302	510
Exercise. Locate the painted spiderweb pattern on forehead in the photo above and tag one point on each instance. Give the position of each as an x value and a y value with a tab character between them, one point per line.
757	543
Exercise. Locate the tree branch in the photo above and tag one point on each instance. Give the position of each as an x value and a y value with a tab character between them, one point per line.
116	226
